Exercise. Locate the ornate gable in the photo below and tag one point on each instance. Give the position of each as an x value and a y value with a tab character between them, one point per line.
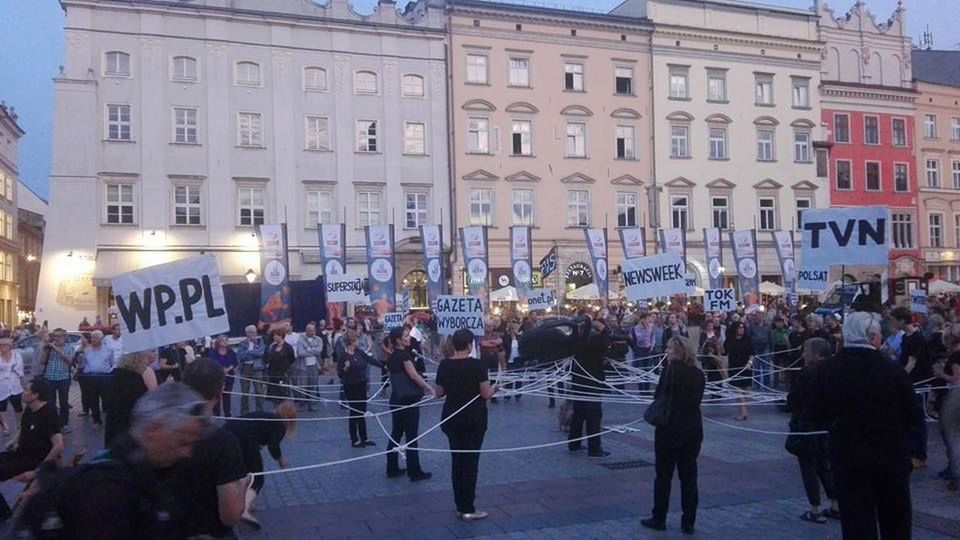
804	185
680	182
627	180
576	110
721	183
680	116
479	105
625	113
718	119
522	176
766	121
578	178
522	107
767	184
480	175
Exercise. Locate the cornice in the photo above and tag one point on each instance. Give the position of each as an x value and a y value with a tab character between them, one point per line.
871	93
582	19
578	43
661	51
765	40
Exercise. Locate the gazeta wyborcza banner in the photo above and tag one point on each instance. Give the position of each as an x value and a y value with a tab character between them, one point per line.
431	238
597	244
674	241
274	273
634	242
380	266
333	259
842	236
521	260
474	243
745	255
713	245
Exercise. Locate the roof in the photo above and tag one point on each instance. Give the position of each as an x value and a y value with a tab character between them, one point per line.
9	115
937	67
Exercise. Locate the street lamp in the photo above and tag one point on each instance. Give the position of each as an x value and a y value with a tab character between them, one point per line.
31	258
251	276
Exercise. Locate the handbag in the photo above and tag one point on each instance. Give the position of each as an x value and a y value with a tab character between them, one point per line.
658	412
404	389
796	444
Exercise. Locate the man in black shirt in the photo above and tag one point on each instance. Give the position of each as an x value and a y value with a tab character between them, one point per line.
588	381
915	360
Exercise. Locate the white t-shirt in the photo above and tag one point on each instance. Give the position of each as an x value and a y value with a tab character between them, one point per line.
292	338
416	334
114	344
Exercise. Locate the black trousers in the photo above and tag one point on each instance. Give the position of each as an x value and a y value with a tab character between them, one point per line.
84	381
356	395
406	424
591	414
874	501
253	463
164	374
92	388
815	471
683	458
465	466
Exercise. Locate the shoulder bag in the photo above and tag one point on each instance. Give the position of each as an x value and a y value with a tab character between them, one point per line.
658	412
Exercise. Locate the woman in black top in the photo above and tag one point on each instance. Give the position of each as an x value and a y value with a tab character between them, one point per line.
352	368
463	380
739	350
172	361
131	379
677	444
407	387
277	360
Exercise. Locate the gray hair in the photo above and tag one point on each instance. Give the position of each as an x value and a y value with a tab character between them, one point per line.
171	405
96	334
250	328
859	326
936	321
814	318
816	349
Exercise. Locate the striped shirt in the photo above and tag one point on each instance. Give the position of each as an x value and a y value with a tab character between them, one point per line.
57	368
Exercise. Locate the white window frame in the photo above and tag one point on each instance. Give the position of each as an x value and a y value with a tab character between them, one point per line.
628	205
849	134
313	204
362	131
899	225
576	77
419	213
906	170
251	206
361	82
526	137
893	132
866	175
185	132
849	176
369	207
767	213
771	145
478	135
113	64
120	202
413	85
187	205
243	71
807	206
800	92
721	76
933	173
678	80
720	210
935	229
679	141
477	72
310	82
575	140
801	150
631	80
481	206
955	128
250	129
414	143
929	126
680	213
955	173
578	205
866	131
956	230
763	90
519	200
119	124
316	133
183	75
718	145
518	72
629	138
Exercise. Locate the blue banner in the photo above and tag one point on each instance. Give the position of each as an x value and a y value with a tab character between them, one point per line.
380	267
274	274
713	245
333	259
674	241
597	244
431	238
745	255
521	260
474	243
634	242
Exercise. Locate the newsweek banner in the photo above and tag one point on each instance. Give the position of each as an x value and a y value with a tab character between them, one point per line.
521	260
654	276
274	273
333	259
786	253
380	267
431	238
474	243
745	256
713	244
597	244
345	288
634	242
674	241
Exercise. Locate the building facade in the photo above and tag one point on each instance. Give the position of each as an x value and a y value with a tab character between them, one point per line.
10	133
211	118
31	224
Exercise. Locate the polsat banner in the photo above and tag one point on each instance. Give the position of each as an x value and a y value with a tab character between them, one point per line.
597	244
634	242
431	238
380	268
274	273
474	243
713	244
521	260
745	256
674	241
333	259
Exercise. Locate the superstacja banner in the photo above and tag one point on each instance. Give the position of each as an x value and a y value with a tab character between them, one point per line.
597	243
745	255
521	260
474	244
431	238
674	241
274	283
380	266
634	242
713	245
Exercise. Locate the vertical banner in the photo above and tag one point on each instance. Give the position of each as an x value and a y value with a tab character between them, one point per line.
380	267
674	241
786	253
597	244
634	242
713	244
521	260
274	282
432	241
474	243
745	256
333	259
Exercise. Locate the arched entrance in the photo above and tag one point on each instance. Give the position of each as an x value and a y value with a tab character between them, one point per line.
417	281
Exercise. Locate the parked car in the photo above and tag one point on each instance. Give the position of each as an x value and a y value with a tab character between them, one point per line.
28	345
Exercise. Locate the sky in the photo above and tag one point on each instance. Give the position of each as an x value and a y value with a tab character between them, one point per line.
31	50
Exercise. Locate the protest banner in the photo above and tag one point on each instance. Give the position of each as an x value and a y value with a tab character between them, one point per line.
744	244
541	299
170	302
548	264
851	235
654	276
382	280
520	261
812	279
393	320
346	288
713	244
918	301
719	300
274	271
456	312
431	237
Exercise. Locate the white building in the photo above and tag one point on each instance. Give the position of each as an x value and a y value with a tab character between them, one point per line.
10	133
181	125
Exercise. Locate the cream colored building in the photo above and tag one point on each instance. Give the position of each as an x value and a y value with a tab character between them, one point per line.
10	133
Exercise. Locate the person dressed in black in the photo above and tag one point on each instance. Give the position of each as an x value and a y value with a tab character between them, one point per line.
588	376
915	360
172	362
131	379
277	360
407	387
677	444
740	352
463	381
352	368
869	404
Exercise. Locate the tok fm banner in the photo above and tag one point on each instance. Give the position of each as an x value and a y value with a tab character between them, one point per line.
333	259
597	243
380	268
431	238
474	244
634	242
745	255
521	261
713	243
274	283
674	241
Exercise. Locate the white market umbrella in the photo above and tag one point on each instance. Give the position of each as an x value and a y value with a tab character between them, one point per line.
771	288
506	294
942	287
587	292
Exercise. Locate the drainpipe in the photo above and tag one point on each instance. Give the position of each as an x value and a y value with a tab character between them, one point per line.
451	140
653	193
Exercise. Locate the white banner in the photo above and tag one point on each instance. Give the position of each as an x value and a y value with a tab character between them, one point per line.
332	248
346	288
812	280
541	299
654	276
170	302
393	320
456	312
719	300
918	301
852	235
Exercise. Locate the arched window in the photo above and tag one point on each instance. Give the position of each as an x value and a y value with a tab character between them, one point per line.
315	79
117	64
417	282
184	68
412	86
365	82
248	73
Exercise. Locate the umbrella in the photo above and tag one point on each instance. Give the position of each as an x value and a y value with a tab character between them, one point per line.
506	294
589	292
770	288
942	287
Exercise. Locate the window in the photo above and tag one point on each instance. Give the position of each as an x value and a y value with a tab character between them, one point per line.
844	181
576	140
120	204
679	83
368	208
902	231
365	82
522	142
317	133
930	126
315	79
478	136
679	211
117	64
803	203
248	74
718	143
184	125
768	214
118	123
822	164
522	207
936	230
626	209
412	86
899	132
414	138
250	129
679	136
873	175
481	206
367	140
626	149
520	72
184	69
933	173
578	208
801	146
573	77
721	212
955	129
477	69
716	86
251	206
624	81
841	128
764	89
414	210
801	93
764	145
956	230
871	130
956	174
186	205
901	180
319	207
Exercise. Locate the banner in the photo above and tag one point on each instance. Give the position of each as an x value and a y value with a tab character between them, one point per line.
393	320
541	299
745	256
634	242
345	288
521	260
713	244
674	241
456	312
719	300
274	274
812	280
431	238
852	235
548	264
170	302
918	301
333	259
654	276
474	244
380	267
786	253
597	245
